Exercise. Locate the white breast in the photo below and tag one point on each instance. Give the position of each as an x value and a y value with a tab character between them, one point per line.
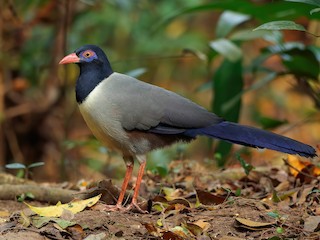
102	117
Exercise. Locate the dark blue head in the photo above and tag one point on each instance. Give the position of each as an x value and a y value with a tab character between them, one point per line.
94	68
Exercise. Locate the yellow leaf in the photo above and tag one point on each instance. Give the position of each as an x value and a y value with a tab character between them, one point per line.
159	222
170	193
4	214
57	210
298	167
24	220
297	164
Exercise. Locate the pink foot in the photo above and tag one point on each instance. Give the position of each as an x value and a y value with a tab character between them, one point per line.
114	208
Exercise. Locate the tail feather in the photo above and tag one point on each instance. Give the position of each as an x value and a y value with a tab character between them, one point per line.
253	137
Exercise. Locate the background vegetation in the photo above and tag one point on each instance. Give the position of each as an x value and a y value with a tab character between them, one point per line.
204	50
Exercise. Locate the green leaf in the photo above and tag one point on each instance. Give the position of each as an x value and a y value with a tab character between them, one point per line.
36	164
301	62
219	5
246	166
275	37
311	2
314	10
136	72
227	82
273	214
298	59
228	21
227	49
280	230
248	34
238	192
281	25
63	223
269	123
30	195
21	197
20	173
275	198
276	10
161	170
275	238
280	48
39	222
15	166
316	51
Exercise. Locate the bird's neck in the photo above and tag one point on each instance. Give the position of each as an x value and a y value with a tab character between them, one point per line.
90	76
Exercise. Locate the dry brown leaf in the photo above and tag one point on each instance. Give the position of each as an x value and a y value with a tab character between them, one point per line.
303	195
231	238
306	175
193	228
171	236
154	231
61	230
279	175
180	201
252	225
99	236
312	224
76	231
204	225
317	211
283	186
208	198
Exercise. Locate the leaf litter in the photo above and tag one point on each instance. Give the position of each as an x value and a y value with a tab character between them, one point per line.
268	203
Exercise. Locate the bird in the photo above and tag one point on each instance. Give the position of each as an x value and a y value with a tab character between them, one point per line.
133	118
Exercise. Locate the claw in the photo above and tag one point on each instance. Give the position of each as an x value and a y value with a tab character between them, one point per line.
135	206
119	208
114	208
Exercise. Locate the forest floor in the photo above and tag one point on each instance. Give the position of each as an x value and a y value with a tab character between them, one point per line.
269	203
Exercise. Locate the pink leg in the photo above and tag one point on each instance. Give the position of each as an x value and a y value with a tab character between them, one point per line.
124	185
134	203
118	206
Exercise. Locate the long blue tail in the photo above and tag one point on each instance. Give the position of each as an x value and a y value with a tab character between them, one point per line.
253	137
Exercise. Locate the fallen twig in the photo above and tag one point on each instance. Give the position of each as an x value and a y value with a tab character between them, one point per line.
40	193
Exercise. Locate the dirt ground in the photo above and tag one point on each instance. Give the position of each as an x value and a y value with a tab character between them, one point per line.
221	221
271	205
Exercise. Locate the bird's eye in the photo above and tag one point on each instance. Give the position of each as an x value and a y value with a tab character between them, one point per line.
87	54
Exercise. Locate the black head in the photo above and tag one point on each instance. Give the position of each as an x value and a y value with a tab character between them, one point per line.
91	54
94	68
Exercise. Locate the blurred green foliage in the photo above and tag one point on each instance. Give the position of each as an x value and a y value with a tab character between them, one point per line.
300	60
181	45
24	171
